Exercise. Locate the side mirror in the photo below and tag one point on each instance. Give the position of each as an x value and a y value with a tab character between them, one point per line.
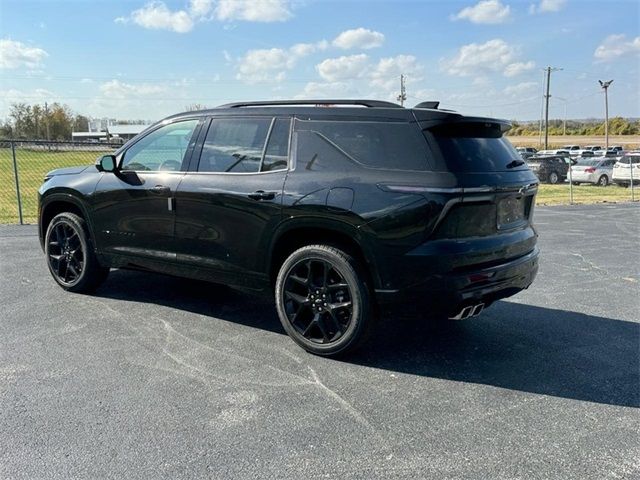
106	163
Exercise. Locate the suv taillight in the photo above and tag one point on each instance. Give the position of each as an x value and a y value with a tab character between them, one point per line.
590	170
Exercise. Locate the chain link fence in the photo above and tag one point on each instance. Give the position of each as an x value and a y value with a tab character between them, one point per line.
23	165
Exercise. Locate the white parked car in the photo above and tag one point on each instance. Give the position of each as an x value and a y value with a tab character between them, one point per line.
547	153
592	148
574	150
625	167
598	171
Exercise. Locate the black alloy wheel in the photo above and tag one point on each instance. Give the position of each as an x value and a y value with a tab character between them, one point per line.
70	256
318	300
65	253
323	300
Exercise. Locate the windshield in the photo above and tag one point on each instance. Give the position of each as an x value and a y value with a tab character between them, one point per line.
474	147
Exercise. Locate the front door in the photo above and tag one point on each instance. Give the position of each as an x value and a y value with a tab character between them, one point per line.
134	214
228	206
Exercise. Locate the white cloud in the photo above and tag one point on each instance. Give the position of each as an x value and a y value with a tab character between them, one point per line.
480	58
270	64
386	73
545	6
156	16
343	68
358	38
520	89
15	54
616	46
253	10
486	11
200	8
328	90
518	68
118	89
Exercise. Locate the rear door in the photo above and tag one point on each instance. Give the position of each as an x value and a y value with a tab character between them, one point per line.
231	199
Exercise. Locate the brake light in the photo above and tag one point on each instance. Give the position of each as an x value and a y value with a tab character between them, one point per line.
590	170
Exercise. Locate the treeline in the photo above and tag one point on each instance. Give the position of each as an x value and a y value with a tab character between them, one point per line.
617	126
42	122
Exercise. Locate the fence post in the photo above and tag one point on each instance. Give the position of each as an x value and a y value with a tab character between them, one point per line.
15	176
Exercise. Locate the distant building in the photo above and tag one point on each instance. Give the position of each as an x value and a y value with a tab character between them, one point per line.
108	133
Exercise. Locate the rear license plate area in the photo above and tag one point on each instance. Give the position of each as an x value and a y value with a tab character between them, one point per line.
512	211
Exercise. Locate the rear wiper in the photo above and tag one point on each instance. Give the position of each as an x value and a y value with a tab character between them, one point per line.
515	163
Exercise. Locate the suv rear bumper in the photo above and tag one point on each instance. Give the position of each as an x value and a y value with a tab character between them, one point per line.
446	294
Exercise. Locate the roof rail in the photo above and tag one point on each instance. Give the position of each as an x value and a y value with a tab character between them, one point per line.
431	104
269	103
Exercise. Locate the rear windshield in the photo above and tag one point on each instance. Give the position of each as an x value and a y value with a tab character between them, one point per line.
474	147
634	159
588	163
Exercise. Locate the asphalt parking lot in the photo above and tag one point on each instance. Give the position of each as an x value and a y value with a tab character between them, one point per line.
156	377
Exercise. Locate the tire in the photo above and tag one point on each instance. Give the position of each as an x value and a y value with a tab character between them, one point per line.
576	183
70	257
323	300
553	178
603	181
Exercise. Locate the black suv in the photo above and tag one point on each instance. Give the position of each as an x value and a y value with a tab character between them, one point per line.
550	168
344	211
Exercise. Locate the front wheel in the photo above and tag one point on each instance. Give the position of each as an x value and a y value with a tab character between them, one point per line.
323	300
553	178
603	181
70	258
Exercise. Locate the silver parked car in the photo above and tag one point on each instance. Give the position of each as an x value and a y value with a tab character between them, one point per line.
598	171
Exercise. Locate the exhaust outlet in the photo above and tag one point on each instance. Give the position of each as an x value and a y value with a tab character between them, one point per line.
468	312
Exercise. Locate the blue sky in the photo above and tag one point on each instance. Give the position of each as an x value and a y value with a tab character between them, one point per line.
148	59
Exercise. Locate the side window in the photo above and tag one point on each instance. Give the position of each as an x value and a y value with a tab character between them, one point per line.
277	153
234	145
161	150
388	145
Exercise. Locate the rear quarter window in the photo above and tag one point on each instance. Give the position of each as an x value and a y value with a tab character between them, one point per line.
382	145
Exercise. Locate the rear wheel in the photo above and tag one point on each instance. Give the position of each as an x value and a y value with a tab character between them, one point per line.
70	258
603	181
323	300
553	178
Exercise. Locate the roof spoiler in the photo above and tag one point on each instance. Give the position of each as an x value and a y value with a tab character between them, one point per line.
430	104
327	103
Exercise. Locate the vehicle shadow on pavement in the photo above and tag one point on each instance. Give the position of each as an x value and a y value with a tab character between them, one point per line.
519	347
511	345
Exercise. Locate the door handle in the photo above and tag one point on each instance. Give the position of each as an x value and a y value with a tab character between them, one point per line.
262	195
159	189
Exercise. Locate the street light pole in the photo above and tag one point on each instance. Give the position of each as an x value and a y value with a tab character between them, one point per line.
605	87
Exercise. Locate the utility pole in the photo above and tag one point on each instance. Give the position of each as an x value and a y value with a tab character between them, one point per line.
605	87
403	92
546	112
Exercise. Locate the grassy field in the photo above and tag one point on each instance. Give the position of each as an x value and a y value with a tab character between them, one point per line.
32	167
34	164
